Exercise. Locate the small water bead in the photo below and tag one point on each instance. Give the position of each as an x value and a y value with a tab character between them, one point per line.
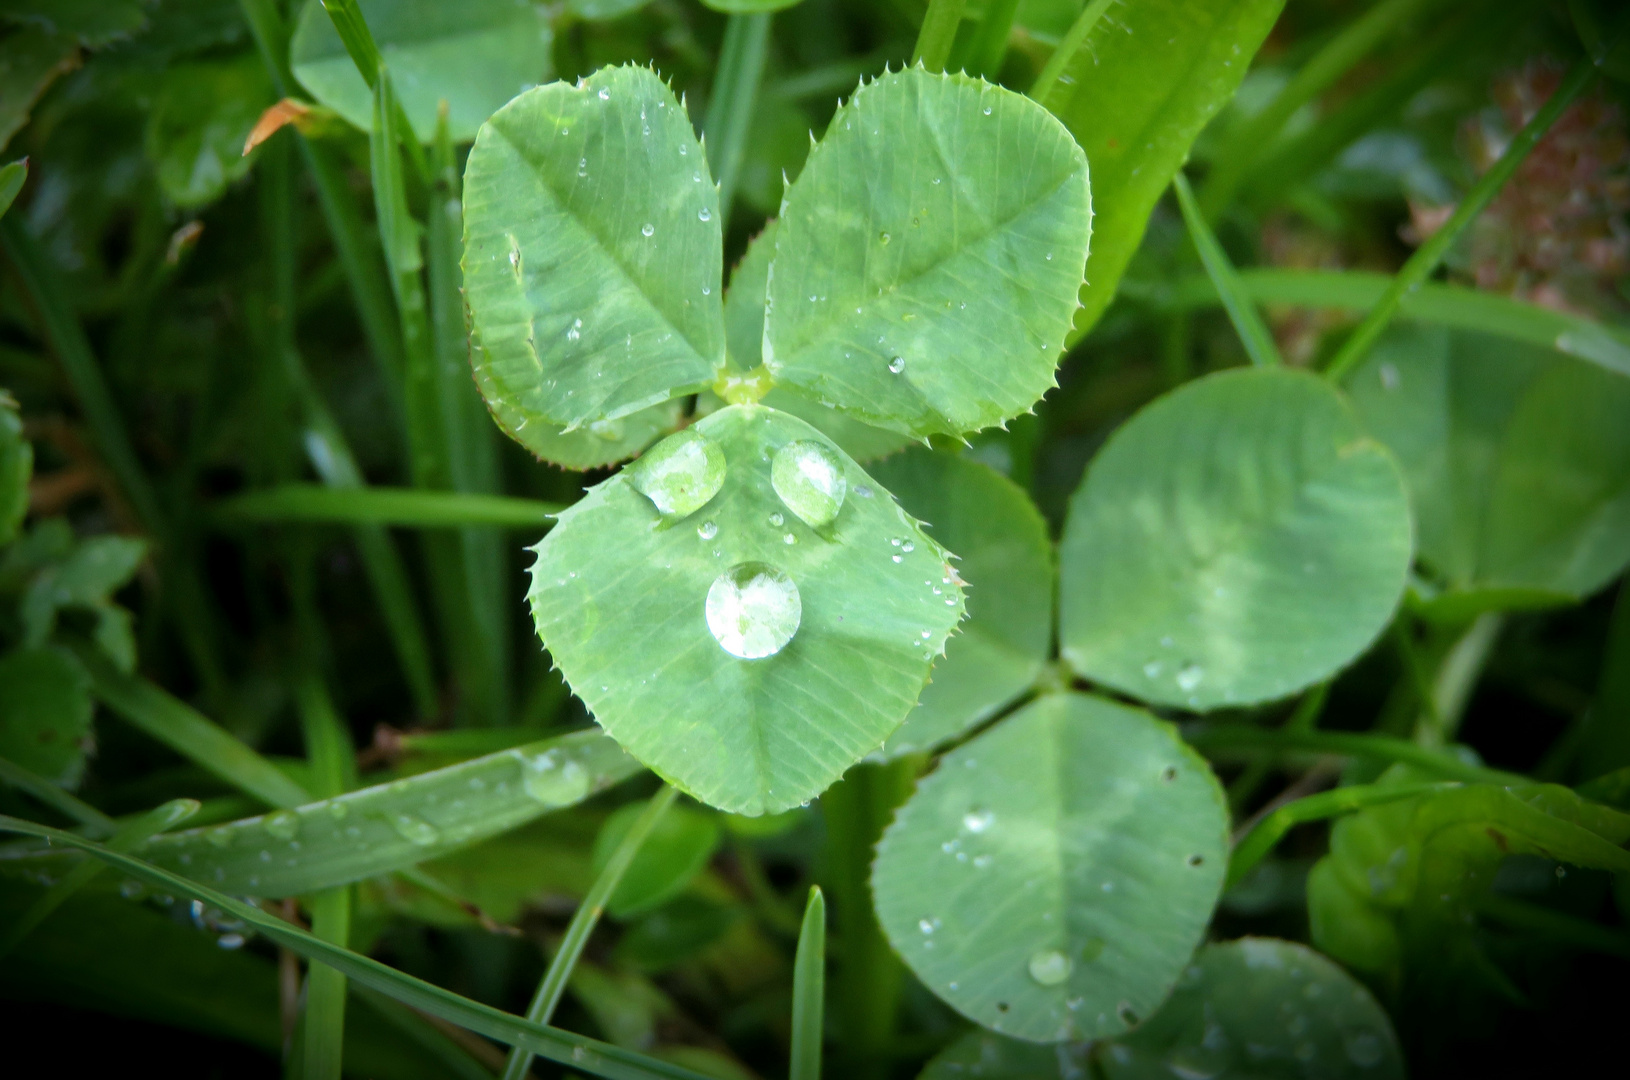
605	95
679	474
576	331
414	830
897	365
863	491
648	229
707	530
776	519
987	110
809	478
1365	1049
883	238
283	824
1189	676
705	214
608	430
1049	967
978	820
554	779
789	539
928	926
753	610
908	547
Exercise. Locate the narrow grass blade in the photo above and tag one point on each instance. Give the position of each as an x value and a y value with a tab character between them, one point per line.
354	33
730	107
580	1053
323	1045
387	827
1433	302
938	34
405	507
987	46
455	1060
1271	829
1253	333
53	796
1209	738
128	838
809	991
186	731
583	923
1427	257
12	177
1074	38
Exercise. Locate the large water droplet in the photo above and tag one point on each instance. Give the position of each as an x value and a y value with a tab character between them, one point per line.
897	365
1049	967
707	530
753	610
415	830
554	779
810	480
648	229
1189	676
283	824
680	473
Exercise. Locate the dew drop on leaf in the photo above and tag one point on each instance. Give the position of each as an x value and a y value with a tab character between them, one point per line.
1189	676
554	779
707	530
705	214
1049	967
977	820
680	474
283	824
648	229
897	365
415	830
753	610
810	480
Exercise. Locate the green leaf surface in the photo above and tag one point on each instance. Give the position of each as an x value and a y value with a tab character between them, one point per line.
592	446
744	349
603	9
391	826
927	258
1252	1009
620	599
748	7
30	60
677	849
1518	461
1006	559
1052	877
1236	541
16	466
95	23
201	116
1135	95
475	55
45	713
592	253
414	507
86	580
12	177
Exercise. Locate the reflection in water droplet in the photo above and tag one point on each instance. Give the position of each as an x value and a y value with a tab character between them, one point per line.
978	820
648	229
776	519
789	539
605	95
1049	967
707	530
554	779
810	480
282	824
414	830
705	214
680	473
908	547
897	365
883	238
929	925
1189	676
753	610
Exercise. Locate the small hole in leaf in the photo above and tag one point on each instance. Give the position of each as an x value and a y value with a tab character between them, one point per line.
1196	860
1168	774
1001	1006
1128	1017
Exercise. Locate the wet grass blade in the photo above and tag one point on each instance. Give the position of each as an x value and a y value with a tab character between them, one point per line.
189	733
938	34
404	507
1253	333
583	923
580	1053
809	991
1212	738
730	107
333	769
14	775
129	837
1074	38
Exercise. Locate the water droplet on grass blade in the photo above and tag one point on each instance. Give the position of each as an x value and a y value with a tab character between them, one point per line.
283	824
707	530
810	480
753	610
554	779
897	365
415	830
680	474
1049	967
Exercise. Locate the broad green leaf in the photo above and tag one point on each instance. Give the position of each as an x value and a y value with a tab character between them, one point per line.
12	178
1237	540
1394	899
86	580
1254	1008
1143	84
603	9
201	115
94	23
108	955
744	348
748	7
592	253
391	826
412	507
45	713
1052	877
673	933
639	615
475	55
30	60
1518	461
16	466
1007	560
676	851
927	258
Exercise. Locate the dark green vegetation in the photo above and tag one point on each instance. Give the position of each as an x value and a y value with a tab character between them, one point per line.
1236	684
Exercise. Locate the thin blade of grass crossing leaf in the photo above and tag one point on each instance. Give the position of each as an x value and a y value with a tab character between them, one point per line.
809	991
400	507
582	1054
12	177
1214	737
583	923
1248	324
96	822
938	34
128	837
333	768
730	108
1256	844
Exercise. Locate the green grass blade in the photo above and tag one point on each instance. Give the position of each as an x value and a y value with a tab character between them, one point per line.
358	41
186	731
1073	40
987	45
582	1054
1433	302
391	826
53	796
1211	738
12	177
1253	333
809	991
1271	829
129	837
583	923
1427	257
271	40
454	1060
323	1045
1244	149
404	507
730	107
938	34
